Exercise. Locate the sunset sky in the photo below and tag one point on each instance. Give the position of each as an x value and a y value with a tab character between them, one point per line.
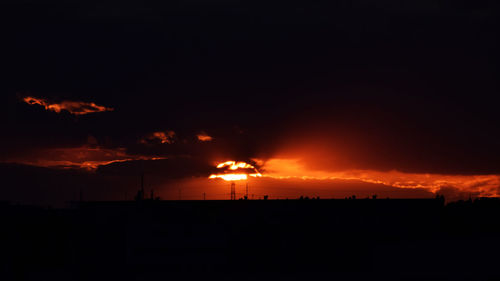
330	99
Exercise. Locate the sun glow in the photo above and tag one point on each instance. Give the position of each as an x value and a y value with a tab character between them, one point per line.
234	171
485	185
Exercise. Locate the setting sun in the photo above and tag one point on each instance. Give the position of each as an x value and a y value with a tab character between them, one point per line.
244	171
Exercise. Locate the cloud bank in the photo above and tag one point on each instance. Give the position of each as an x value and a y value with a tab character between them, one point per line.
83	157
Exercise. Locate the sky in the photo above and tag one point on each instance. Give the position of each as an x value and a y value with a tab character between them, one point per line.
327	99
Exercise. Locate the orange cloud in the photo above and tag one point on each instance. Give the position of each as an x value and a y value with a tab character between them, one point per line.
73	107
88	158
202	136
482	185
159	137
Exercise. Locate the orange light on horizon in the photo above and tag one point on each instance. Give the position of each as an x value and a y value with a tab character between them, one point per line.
487	185
234	166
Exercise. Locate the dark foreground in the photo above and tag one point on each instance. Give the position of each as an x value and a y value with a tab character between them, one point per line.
253	240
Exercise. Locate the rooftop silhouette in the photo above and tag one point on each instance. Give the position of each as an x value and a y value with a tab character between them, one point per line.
150	238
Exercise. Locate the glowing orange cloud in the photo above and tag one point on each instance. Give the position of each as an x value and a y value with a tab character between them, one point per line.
204	137
161	137
483	185
88	158
73	107
231	171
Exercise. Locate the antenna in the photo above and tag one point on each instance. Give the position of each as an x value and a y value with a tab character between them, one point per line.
142	181
140	194
142	185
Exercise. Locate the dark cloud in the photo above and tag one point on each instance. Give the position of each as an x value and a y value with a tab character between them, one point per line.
166	137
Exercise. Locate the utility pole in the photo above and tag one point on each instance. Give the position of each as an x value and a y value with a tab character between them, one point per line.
204	196
247	191
180	197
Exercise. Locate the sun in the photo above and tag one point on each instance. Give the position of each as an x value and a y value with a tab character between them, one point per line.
235	171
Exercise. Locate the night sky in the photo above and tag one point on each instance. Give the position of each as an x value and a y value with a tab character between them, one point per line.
329	99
